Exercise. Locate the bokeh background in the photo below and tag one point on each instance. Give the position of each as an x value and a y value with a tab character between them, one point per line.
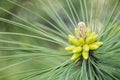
17	63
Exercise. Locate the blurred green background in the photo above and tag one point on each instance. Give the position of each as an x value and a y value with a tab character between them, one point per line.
19	64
